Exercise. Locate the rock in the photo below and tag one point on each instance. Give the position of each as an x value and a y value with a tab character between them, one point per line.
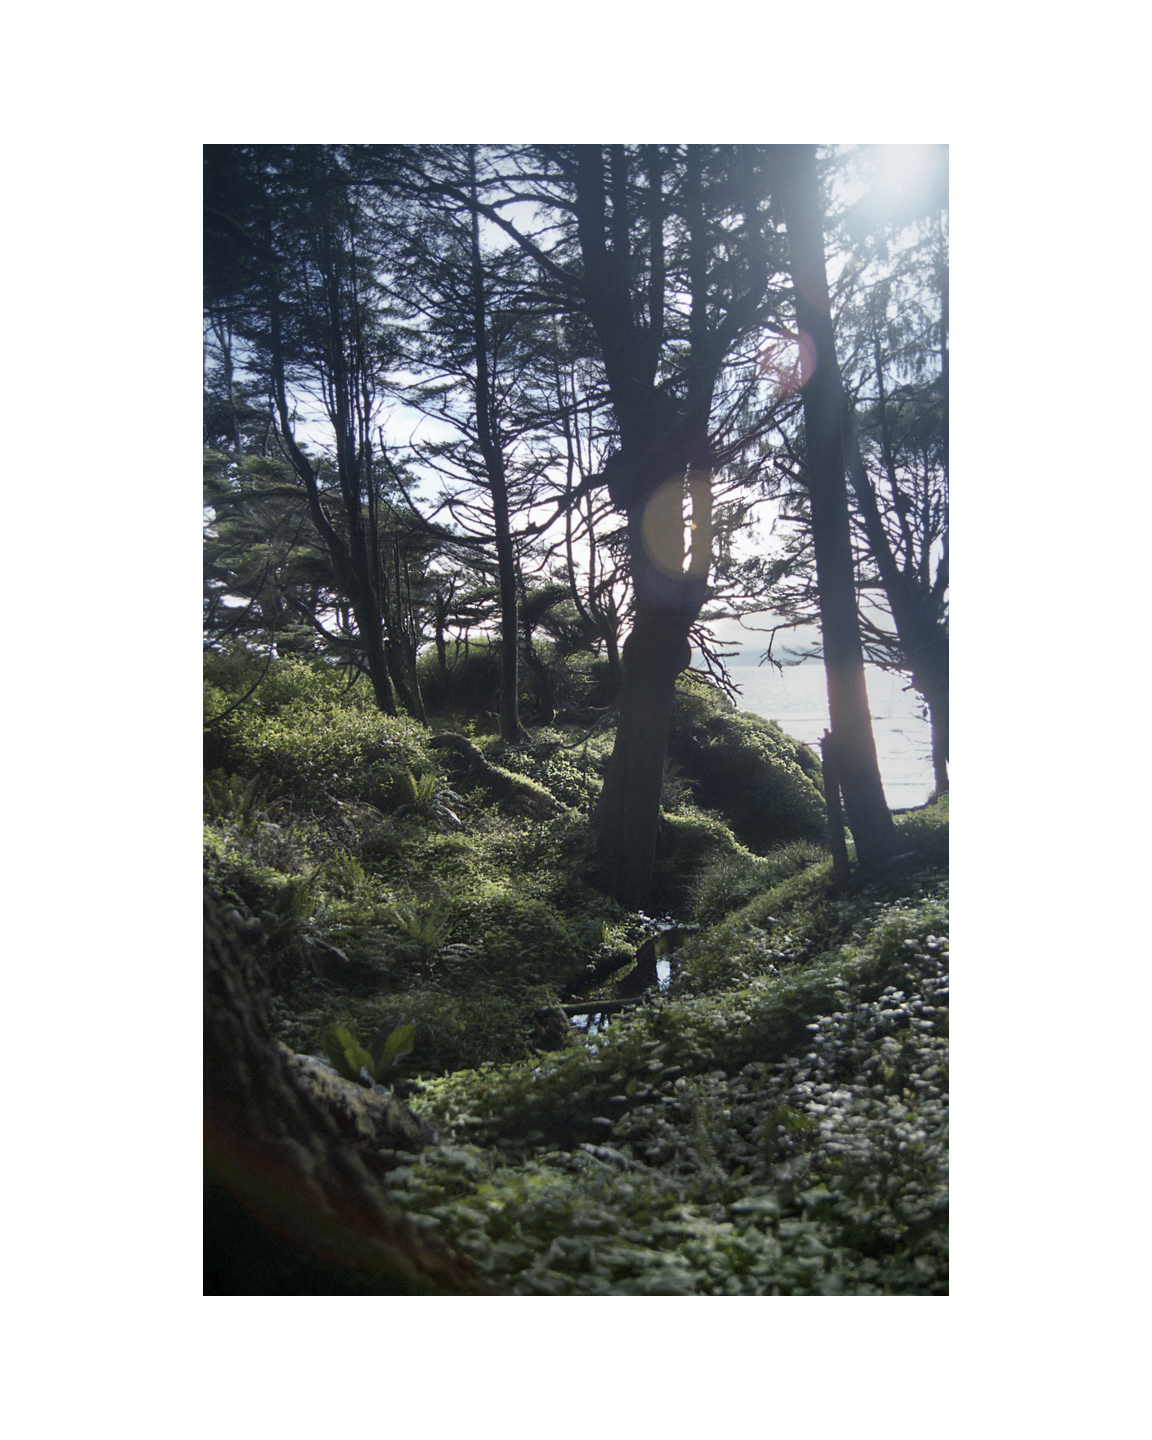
552	1029
367	1119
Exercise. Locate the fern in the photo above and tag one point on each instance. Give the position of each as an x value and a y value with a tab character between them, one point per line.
428	798
366	1065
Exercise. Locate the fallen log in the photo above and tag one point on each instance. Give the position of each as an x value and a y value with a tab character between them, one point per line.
535	800
590	1007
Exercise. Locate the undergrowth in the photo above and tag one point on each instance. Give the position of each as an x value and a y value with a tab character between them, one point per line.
788	1137
772	1122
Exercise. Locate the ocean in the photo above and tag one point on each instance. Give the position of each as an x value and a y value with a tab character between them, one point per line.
798	700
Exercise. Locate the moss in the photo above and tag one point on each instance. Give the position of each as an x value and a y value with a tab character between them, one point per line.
682	1150
764	783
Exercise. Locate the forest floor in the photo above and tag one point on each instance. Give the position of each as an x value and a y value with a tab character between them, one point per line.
771	1119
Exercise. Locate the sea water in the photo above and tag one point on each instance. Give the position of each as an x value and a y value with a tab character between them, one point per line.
797	698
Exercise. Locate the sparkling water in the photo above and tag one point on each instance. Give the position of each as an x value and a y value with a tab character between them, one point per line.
798	700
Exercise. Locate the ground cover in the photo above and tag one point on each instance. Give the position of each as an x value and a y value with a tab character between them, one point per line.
774	1121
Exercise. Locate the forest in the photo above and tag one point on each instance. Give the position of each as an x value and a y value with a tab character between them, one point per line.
533	964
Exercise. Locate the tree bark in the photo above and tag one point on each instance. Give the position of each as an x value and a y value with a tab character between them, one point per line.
915	611
273	1146
841	870
824	425
627	815
670	588
646	479
511	729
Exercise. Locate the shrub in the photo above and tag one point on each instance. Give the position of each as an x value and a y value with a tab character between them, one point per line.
748	769
927	828
470	685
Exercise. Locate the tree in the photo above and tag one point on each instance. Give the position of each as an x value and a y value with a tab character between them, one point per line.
891	323
271	1144
665	254
898	447
288	259
470	345
825	429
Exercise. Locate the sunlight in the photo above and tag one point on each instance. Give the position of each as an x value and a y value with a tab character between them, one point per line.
662	527
900	168
675	545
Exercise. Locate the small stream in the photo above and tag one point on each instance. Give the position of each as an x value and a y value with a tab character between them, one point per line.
593	1024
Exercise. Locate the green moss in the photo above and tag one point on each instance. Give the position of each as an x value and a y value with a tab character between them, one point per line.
727	882
927	828
772	1123
764	783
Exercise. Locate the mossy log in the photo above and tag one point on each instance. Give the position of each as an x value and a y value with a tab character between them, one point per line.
272	1144
535	800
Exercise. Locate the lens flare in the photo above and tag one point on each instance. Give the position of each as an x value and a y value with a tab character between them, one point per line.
673	547
788	363
662	527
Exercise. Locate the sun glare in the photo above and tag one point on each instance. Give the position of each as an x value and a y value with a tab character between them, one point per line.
900	168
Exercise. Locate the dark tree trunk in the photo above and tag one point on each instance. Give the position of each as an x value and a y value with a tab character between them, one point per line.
628	813
488	439
377	659
824	423
931	680
840	867
272	1145
916	611
939	723
394	659
647	479
670	588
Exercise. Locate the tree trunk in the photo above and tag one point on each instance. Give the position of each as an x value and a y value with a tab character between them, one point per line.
377	665
627	816
915	612
931	680
488	440
349	560
840	868
669	596
939	722
271	1144
824	424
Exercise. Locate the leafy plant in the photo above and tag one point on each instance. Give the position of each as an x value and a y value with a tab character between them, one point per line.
423	927
677	789
428	798
345	874
366	1064
292	904
237	804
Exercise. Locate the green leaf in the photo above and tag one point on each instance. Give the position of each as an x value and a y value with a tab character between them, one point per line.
347	1056
386	1050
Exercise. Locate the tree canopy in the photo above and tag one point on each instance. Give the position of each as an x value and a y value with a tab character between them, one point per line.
458	390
